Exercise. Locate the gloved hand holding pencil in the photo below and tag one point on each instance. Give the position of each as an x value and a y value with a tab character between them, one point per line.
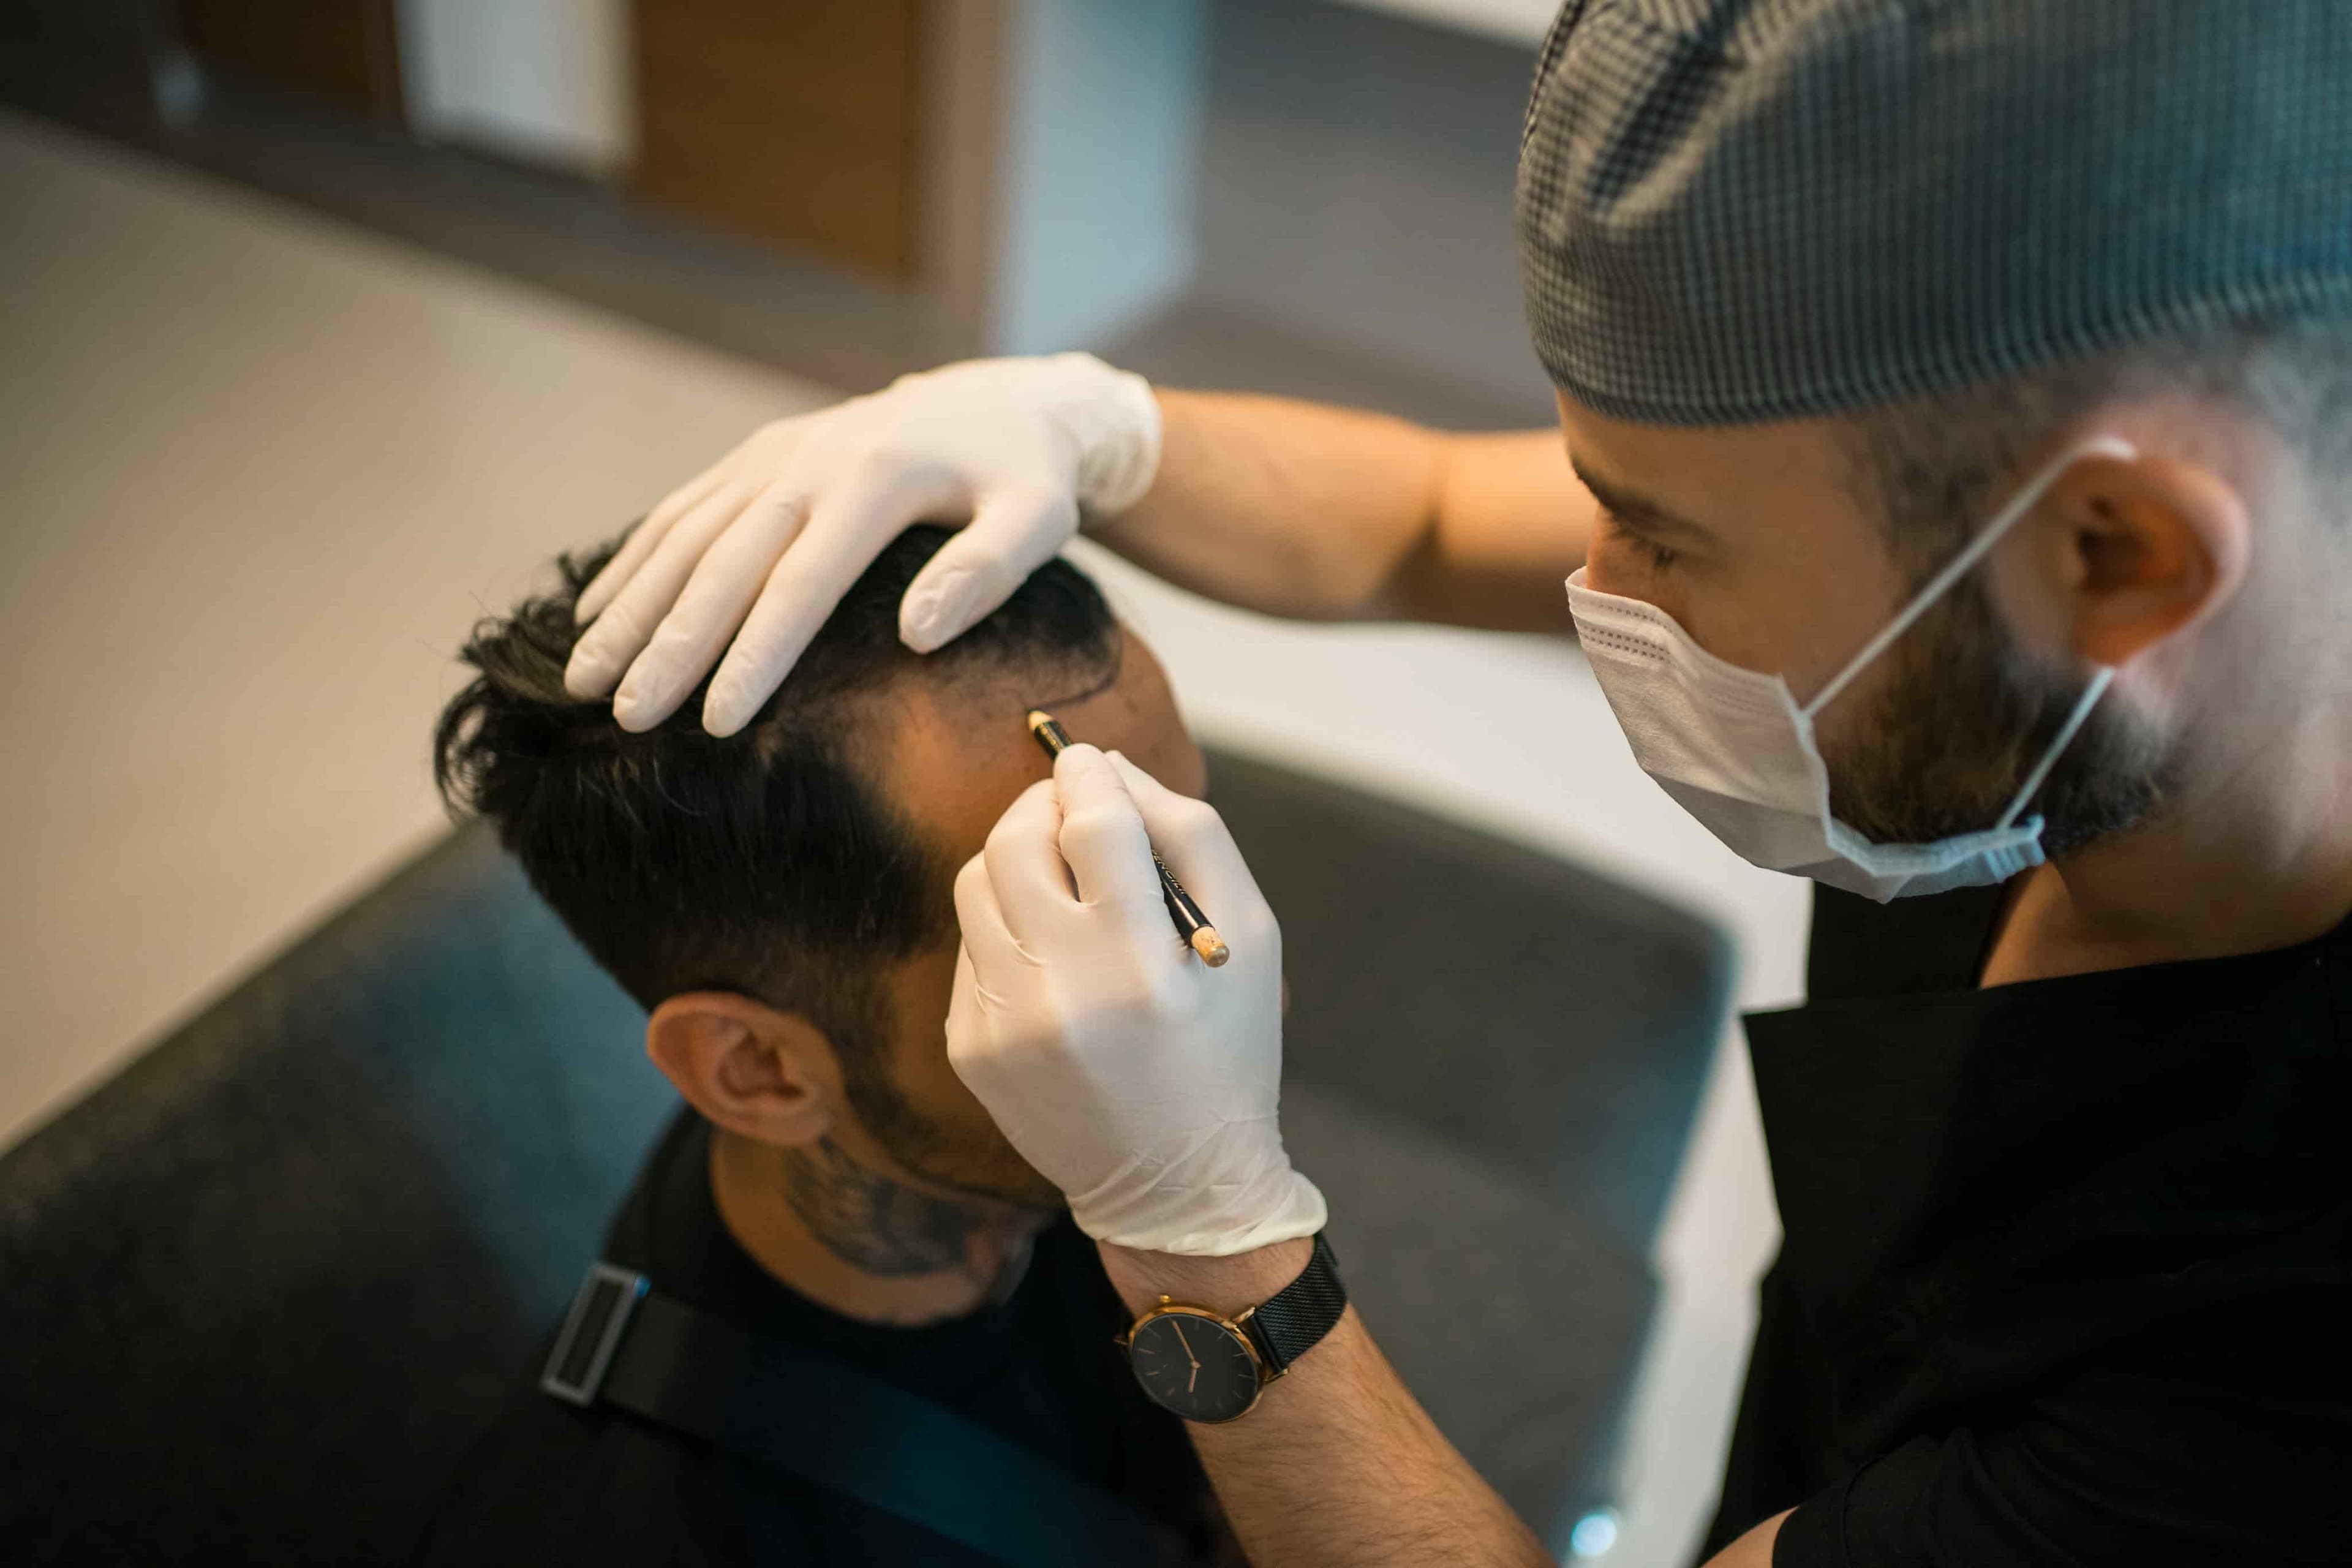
1140	1080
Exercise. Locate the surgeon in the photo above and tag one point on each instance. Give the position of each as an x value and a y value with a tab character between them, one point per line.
1953	489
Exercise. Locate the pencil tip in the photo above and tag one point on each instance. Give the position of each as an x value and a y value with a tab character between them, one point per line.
1038	718
1210	947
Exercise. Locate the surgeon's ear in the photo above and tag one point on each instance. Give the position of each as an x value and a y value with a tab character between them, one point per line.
747	1066
2142	548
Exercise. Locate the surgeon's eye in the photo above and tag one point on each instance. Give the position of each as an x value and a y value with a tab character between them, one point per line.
1658	556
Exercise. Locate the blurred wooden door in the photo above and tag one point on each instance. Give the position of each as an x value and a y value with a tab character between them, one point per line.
342	52
795	122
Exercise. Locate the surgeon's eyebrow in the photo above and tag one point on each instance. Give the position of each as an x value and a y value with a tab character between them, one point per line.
1633	512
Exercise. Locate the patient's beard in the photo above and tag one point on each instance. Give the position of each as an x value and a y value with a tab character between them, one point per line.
939	1199
984	1167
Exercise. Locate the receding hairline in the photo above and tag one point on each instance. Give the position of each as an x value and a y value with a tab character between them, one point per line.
985	690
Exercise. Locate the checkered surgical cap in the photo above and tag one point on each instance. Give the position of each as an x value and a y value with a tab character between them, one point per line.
1741	210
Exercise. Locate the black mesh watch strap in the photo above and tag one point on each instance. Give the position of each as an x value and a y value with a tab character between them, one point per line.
1294	1320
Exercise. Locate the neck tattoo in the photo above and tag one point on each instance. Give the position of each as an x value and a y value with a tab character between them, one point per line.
870	1221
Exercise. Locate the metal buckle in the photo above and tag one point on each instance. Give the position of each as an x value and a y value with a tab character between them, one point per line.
591	1332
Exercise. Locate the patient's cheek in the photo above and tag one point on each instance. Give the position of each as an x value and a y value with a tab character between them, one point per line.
921	991
961	1144
1186	771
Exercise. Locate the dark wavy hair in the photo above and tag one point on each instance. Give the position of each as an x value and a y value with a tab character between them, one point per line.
768	862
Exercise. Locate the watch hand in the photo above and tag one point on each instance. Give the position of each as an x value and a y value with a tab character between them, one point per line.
1187	1344
1193	1379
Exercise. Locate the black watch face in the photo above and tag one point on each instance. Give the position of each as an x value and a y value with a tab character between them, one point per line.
1194	1365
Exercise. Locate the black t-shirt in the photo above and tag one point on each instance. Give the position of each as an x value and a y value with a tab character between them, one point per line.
2067	1267
554	1483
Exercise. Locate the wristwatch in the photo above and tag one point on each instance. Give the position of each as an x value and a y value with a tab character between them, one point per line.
1205	1367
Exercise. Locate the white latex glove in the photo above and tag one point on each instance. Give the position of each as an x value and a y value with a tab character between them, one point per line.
759	549
1136	1079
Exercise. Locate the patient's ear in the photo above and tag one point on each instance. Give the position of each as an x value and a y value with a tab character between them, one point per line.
746	1066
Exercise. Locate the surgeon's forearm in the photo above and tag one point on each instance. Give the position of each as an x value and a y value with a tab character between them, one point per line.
1338	1464
1324	513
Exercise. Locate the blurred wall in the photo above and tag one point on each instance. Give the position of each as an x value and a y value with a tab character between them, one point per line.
545	81
1509	21
1097	173
1356	183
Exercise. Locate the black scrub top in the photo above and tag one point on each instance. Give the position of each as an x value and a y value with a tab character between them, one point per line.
2066	1275
576	1489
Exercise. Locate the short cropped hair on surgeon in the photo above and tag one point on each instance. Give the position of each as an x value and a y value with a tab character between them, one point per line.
765	863
1934	469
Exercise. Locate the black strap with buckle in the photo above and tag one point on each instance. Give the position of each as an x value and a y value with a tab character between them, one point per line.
628	1345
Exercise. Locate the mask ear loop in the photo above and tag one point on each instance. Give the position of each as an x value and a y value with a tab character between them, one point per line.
1941	583
2089	699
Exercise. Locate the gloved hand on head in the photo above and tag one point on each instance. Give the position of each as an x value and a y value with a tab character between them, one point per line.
1142	1083
756	550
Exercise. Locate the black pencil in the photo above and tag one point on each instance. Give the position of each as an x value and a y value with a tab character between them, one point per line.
1190	924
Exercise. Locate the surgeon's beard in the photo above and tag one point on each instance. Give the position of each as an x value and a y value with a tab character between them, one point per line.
1961	721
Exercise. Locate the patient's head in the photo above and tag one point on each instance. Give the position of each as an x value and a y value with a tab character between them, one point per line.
780	900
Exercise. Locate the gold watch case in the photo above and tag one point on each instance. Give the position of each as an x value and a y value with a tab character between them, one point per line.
1168	1307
